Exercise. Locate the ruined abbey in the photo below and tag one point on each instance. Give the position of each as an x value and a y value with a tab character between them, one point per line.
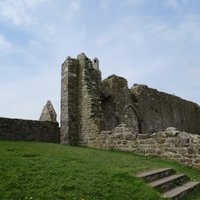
90	105
107	114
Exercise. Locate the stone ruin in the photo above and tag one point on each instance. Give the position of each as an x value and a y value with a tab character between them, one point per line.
90	105
106	114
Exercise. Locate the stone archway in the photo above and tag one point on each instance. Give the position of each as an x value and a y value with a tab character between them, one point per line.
131	118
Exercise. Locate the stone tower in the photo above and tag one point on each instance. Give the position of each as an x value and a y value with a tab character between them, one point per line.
81	112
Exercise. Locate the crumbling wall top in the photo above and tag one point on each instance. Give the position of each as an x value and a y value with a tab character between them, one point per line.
48	113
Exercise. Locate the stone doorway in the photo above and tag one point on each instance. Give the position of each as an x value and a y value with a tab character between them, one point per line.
131	118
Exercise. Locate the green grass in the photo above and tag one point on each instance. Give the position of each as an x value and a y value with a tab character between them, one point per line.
52	171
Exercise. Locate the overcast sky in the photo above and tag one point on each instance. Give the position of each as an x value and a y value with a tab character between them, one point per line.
152	42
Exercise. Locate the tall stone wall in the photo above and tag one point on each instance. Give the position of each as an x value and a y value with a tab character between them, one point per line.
159	110
69	102
81	113
90	112
29	130
118	105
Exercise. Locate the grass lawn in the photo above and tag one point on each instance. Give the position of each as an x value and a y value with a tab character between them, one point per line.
53	171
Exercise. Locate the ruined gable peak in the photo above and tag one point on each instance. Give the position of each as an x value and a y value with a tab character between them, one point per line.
48	113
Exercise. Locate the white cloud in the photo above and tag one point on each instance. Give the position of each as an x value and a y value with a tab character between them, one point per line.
73	8
140	49
176	5
18	12
5	45
35	43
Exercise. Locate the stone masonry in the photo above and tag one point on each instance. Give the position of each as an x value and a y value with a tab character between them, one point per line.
93	110
81	112
48	113
90	106
159	110
29	130
118	105
169	144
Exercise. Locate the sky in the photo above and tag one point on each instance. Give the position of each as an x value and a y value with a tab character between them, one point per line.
151	42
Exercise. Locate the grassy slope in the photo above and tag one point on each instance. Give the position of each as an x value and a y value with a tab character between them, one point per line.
51	171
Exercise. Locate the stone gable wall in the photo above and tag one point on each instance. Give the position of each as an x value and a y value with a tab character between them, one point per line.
117	104
29	130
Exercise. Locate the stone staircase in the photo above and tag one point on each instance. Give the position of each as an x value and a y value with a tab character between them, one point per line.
171	185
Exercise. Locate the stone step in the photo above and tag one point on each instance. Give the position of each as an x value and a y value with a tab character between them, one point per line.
167	183
178	192
156	174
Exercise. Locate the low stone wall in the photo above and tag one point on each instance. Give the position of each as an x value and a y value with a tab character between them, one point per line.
170	144
29	130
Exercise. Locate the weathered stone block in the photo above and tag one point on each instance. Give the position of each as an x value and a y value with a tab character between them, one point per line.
129	136
160	140
191	150
143	136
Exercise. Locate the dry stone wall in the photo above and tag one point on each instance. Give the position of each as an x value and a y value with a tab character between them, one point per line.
170	144
29	130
